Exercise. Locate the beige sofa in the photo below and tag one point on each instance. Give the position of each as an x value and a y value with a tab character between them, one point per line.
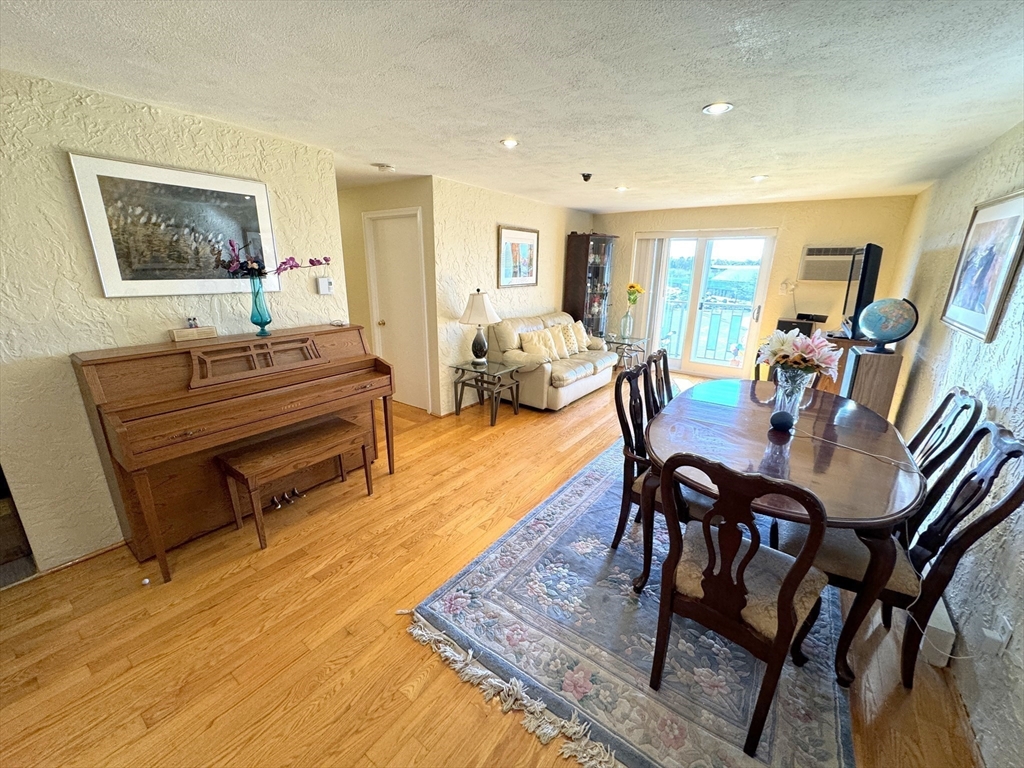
547	383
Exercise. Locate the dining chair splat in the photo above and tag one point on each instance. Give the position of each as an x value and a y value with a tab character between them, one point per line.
659	391
951	524
640	485
718	574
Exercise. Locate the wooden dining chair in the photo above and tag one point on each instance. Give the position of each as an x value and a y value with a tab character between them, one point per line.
640	485
660	393
718	574
945	430
941	543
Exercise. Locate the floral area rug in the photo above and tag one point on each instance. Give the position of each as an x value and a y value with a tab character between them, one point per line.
546	620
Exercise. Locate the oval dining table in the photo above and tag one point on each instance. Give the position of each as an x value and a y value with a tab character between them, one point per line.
854	460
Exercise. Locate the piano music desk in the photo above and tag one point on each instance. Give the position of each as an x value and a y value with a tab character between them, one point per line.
161	413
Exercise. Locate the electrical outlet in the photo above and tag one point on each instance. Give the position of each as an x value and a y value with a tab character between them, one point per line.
994	641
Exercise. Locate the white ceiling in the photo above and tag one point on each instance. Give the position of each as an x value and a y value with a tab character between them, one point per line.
833	99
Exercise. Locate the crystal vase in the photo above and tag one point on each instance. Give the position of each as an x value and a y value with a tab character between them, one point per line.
790	384
260	314
626	323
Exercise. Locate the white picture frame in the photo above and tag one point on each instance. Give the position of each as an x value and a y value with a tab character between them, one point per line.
160	231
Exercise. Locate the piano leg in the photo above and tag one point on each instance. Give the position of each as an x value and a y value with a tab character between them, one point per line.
389	434
141	479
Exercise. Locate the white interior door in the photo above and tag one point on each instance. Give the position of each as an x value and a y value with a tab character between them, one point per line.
397	286
708	291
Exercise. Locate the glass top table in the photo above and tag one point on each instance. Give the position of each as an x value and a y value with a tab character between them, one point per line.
488	379
630	349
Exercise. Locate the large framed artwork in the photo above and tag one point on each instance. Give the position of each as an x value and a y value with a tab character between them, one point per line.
162	232
986	267
517	256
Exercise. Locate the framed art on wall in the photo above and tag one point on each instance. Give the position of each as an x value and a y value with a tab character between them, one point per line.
517	256
987	264
163	232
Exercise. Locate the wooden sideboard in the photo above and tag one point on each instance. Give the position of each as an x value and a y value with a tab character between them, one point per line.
160	414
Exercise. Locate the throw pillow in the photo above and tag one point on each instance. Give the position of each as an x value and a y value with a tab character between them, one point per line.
538	343
569	336
559	341
581	334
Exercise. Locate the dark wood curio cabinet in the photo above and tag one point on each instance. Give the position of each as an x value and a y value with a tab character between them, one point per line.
588	274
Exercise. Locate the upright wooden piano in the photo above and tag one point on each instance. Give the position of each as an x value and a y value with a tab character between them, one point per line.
160	413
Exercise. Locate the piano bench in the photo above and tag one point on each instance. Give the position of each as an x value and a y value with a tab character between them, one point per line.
271	460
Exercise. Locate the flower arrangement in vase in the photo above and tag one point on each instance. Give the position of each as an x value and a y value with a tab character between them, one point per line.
795	359
252	266
633	292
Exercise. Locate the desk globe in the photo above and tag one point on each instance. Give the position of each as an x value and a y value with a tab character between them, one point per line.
887	321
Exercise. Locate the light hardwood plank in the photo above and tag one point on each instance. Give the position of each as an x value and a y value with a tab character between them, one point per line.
295	654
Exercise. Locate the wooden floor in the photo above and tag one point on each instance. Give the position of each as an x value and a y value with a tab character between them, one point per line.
294	655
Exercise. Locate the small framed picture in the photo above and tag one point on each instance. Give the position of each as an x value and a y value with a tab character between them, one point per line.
987	264
517	256
163	232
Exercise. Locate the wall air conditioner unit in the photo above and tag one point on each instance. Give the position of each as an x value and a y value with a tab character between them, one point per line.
828	264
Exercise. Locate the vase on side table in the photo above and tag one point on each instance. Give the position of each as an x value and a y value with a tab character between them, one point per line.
626	323
790	384
260	314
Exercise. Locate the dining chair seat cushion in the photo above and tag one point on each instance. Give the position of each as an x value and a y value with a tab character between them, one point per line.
698	503
763	579
842	554
601	360
565	372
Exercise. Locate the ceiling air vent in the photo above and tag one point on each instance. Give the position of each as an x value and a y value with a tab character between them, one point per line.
828	264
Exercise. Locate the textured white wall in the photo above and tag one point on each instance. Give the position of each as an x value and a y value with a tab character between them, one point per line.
52	302
353	203
990	580
466	223
880	220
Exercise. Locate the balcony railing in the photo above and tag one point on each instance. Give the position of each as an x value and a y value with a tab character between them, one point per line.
721	331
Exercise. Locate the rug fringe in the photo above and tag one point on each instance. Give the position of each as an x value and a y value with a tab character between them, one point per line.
537	719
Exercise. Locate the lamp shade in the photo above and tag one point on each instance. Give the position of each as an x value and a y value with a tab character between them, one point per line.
479	310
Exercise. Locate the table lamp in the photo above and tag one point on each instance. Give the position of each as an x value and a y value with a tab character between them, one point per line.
479	312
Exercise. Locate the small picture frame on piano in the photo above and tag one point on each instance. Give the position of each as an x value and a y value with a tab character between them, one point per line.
164	232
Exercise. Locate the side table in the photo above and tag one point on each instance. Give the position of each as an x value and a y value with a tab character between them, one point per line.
630	349
488	380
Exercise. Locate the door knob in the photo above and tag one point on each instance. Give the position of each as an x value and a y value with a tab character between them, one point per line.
381	322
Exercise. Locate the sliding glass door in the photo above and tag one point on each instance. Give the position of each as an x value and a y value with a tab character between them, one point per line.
706	296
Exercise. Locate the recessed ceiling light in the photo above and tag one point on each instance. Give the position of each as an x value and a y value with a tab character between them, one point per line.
718	108
758	178
509	143
622	189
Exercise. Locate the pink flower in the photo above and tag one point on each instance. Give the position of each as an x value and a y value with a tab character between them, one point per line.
713	684
515	635
577	682
456	602
672	732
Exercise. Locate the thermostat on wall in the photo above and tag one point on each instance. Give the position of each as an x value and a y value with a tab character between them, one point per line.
324	285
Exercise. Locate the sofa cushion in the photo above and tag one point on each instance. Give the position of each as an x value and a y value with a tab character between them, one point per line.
551	319
582	339
526	361
506	333
600	360
559	340
565	372
569	336
539	343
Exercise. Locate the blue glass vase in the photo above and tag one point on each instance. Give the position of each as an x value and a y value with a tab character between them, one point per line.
260	314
